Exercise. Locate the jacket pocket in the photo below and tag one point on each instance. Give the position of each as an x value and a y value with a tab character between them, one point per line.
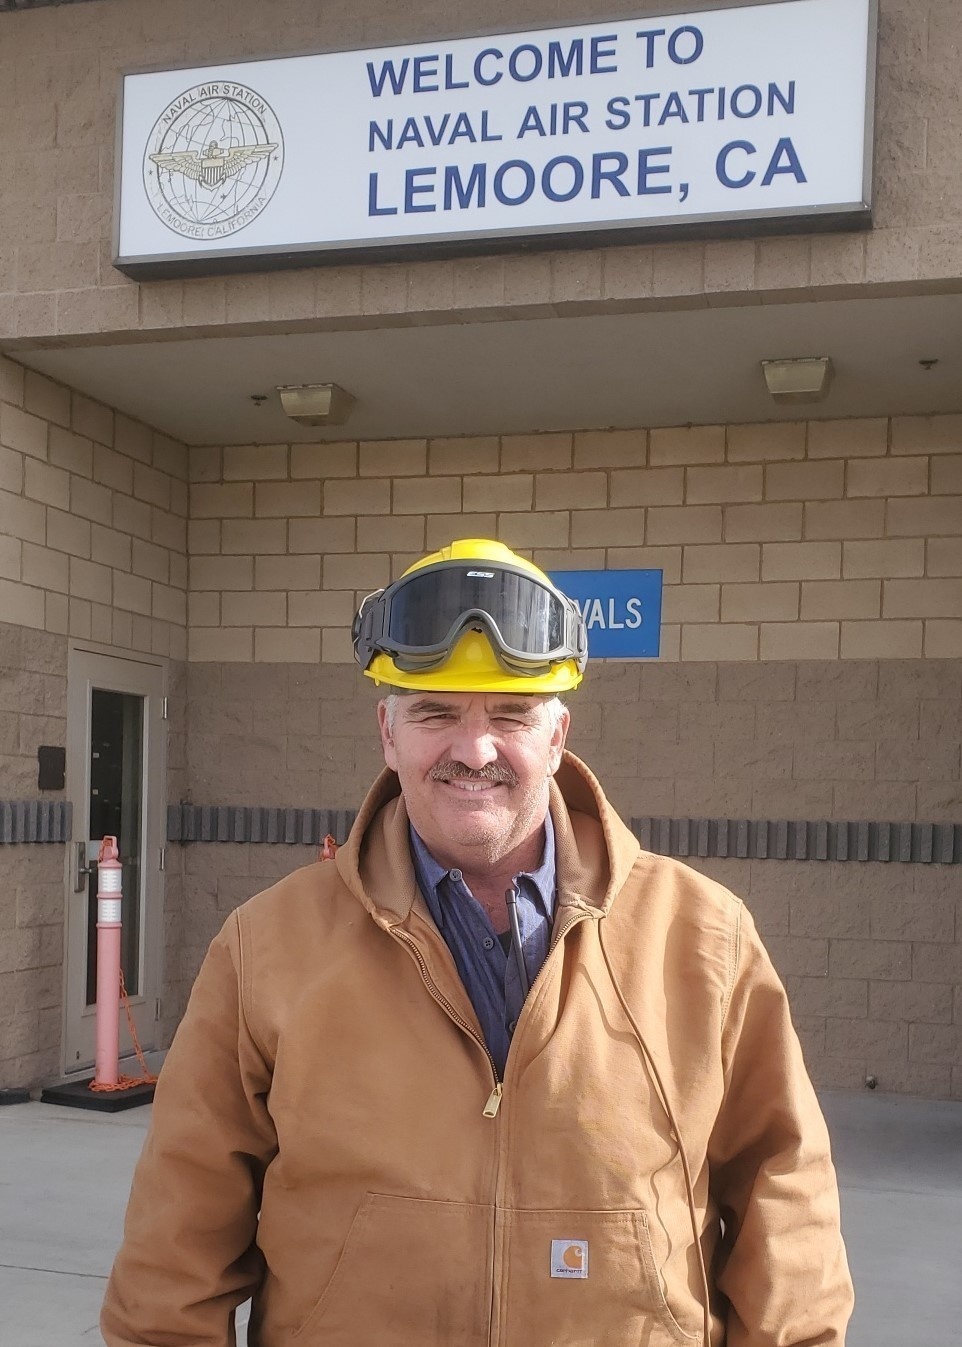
412	1272
585	1277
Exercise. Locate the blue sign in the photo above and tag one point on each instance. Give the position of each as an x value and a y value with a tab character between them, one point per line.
621	609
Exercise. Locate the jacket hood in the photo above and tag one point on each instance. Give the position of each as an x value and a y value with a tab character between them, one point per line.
595	850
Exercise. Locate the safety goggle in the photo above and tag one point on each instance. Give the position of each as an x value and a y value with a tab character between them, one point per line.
417	620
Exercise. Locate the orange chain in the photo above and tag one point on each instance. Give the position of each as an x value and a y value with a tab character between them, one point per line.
127	1082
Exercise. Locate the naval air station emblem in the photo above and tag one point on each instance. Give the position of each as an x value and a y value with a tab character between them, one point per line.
213	160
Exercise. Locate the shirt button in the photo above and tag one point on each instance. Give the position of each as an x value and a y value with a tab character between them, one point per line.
457	876
487	942
512	1025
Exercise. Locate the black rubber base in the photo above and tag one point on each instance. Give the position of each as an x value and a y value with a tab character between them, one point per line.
11	1095
79	1095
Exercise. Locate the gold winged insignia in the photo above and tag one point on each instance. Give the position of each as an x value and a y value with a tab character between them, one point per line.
215	165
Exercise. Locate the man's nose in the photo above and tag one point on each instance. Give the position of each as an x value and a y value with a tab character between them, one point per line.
474	746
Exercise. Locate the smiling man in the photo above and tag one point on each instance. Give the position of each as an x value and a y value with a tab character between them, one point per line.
496	1077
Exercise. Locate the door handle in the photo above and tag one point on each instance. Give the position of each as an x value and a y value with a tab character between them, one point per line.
83	869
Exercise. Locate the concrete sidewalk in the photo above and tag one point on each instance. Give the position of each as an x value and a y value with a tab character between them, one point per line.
64	1176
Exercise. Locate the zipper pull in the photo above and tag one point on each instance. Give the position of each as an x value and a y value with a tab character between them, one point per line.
494	1102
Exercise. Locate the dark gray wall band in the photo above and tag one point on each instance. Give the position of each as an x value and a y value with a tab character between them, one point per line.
750	839
35	821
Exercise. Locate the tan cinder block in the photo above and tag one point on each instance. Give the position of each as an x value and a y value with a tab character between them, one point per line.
65	532
254	535
178	569
75	453
46	399
337	459
890	477
264	609
881	640
46	484
567	491
776	602
203	535
466	453
336	646
566	559
857	438
44	568
684	524
393	458
664	559
922	518
231	500
946	475
648	486
722	561
321	608
610	448
804	481
925	434
109	468
90	581
149	560
285	500
92	419
767	442
896	557
168	605
719	641
10	557
628	273
168	530
79	618
91	500
300	572
393	533
845	519
922	598
943	639
837	260
528	453
687	444
205	463
442	529
255	462
944	556
11	381
23	432
841	598
57	614
705	486
498	493
179	497
798	640
131	437
221	573
607	528
321	535
289	646
690	603
123	630
361	570
21	605
730	265
131	592
11	471
372	496
426	495
801	561
544	529
203	609
762	523
221	643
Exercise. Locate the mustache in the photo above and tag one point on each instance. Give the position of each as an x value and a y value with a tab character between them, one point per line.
451	769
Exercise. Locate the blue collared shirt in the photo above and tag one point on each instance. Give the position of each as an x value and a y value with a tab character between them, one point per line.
490	975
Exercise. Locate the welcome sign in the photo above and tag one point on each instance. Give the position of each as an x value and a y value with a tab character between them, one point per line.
749	113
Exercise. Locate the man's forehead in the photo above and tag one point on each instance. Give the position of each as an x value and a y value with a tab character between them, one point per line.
494	703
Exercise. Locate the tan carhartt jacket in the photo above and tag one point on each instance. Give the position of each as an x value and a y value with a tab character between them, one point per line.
330	1076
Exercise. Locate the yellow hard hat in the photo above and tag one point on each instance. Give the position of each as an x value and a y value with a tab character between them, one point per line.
473	617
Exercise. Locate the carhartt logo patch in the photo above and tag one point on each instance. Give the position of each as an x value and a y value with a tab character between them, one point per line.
569	1258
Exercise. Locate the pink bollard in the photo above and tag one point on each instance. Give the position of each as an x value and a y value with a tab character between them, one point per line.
109	898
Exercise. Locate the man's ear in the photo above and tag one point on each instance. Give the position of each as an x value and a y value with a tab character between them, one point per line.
387	736
559	737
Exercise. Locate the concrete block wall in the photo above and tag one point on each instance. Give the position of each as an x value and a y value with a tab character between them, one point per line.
59	74
93	546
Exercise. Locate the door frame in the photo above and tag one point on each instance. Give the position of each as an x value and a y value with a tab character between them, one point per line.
89	666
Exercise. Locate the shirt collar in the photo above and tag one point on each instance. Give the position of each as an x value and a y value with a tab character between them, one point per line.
431	874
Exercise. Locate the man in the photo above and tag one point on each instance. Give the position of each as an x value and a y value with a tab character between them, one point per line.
495	1076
